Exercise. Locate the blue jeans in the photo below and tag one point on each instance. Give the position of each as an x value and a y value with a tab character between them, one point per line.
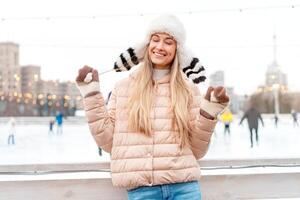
176	191
11	139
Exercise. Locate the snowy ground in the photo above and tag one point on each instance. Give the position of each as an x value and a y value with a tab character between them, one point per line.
35	145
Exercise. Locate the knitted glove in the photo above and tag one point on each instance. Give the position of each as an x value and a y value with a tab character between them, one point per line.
215	101
87	81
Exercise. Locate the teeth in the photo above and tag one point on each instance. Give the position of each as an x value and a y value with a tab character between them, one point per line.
158	54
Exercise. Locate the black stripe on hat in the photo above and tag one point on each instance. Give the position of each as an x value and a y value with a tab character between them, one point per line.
199	79
133	57
125	63
195	72
193	63
117	68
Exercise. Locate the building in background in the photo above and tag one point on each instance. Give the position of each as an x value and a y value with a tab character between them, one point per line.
30	78
47	87
236	101
23	92
234	105
274	74
70	93
9	69
275	97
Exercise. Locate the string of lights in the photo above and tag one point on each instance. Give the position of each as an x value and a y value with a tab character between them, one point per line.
117	15
99	46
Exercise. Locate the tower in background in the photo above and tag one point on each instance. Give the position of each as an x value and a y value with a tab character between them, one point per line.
274	74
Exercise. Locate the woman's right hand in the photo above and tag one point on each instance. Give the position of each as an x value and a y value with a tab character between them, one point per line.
87	81
82	73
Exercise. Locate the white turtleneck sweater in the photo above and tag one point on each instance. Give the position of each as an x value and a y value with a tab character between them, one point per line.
159	73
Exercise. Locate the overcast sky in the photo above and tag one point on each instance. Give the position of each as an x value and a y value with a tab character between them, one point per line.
61	36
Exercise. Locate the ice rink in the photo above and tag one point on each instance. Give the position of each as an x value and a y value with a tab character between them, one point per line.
35	145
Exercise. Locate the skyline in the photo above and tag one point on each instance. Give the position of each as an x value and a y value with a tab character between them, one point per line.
239	43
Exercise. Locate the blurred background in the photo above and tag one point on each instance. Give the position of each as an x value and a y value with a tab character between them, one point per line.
249	47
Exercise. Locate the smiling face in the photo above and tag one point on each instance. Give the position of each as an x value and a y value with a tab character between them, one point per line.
162	50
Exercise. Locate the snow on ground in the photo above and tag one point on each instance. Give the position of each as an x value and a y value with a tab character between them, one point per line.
34	144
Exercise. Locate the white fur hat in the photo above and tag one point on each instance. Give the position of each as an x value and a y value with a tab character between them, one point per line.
164	24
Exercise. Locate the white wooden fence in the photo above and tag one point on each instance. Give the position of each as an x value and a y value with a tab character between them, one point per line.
221	179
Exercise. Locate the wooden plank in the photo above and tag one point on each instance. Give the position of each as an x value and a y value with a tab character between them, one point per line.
251	186
106	165
77	189
56	167
214	187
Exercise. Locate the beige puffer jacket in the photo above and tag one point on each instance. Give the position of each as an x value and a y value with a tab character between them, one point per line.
138	160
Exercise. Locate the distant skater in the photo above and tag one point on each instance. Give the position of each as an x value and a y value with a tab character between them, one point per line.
295	118
226	118
51	125
59	123
252	116
276	119
11	131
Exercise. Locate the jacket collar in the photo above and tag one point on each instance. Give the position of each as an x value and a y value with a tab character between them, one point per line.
164	79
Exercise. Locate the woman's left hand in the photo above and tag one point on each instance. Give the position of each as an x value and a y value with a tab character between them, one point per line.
214	102
217	95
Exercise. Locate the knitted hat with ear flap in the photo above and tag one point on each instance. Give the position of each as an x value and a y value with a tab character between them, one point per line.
169	24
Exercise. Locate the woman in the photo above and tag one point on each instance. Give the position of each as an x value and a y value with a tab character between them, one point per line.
153	125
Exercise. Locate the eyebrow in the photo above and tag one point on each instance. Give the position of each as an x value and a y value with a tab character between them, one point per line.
169	37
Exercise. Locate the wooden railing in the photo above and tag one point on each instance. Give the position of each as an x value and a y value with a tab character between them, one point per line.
221	179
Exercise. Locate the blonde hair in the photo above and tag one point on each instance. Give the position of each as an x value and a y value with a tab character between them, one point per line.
141	101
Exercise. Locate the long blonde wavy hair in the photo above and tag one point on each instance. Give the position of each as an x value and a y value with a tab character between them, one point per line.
141	101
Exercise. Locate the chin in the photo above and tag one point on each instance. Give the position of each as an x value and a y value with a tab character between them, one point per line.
159	63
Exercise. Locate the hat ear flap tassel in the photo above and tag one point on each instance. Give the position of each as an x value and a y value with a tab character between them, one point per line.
195	71
191	65
130	58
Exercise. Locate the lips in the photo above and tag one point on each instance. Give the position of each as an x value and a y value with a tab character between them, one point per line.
159	54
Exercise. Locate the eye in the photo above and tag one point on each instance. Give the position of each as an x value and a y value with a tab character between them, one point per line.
169	41
155	38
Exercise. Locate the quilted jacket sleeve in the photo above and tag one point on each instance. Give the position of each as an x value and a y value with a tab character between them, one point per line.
101	120
201	127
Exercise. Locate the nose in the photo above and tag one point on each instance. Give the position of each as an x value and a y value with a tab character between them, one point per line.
160	45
